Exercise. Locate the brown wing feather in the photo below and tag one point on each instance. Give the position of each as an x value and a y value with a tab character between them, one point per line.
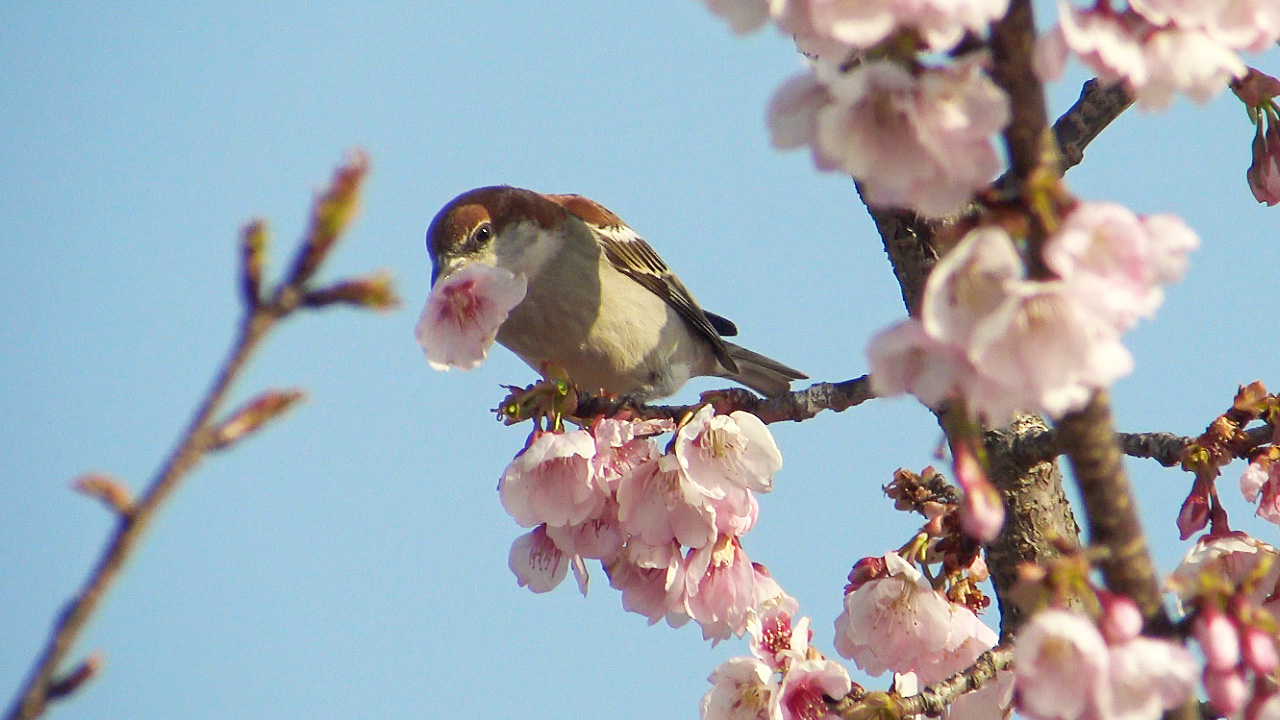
633	257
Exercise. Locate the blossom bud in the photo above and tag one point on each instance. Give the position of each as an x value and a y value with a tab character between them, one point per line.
1259	651
107	490
1121	619
374	292
253	415
253	252
1227	690
1255	88
332	213
1264	173
1218	639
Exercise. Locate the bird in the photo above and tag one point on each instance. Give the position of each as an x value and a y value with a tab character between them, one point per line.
600	304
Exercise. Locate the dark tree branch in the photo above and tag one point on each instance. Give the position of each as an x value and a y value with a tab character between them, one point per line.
794	406
1087	118
931	700
1088	441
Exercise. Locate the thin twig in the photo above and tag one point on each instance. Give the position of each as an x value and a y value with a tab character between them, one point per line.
935	698
201	437
1163	447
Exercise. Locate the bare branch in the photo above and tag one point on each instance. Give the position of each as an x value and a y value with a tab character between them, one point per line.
794	406
200	437
933	699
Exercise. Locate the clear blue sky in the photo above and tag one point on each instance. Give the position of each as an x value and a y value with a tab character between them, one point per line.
350	562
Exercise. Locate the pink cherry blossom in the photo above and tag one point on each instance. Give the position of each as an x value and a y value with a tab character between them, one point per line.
600	537
793	116
922	142
808	684
1155	60
653	505
1238	24
1062	667
1034	342
981	509
939	23
774	639
894	622
743	16
723	454
536	561
721	588
622	446
1186	61
1100	38
991	701
742	689
1258	650
463	314
1119	260
1250	565
1121	619
1149	677
652	581
906	358
967	638
553	481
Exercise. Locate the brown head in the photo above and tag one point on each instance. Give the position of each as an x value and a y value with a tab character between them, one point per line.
467	225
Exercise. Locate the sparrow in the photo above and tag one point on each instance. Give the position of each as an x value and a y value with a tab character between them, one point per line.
600	303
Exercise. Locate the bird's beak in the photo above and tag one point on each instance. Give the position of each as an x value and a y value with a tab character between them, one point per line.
444	268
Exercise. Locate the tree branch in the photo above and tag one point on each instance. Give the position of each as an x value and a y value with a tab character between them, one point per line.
794	406
1088	441
201	436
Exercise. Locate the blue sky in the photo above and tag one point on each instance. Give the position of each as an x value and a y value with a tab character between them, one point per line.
350	562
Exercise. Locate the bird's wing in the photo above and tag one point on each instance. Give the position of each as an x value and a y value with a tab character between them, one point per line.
631	255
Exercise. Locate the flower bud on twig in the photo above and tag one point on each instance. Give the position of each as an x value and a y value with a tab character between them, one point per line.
253	252
375	292
252	416
69	683
333	211
107	490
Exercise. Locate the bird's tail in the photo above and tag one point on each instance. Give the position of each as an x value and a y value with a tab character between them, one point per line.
764	375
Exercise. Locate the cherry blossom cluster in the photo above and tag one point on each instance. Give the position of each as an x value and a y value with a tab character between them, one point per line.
463	313
665	525
1067	667
1228	584
1225	440
915	136
786	679
1159	48
1003	342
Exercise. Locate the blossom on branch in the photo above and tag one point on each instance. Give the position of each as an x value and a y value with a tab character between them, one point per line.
553	481
1159	48
1065	670
916	140
1005	343
894	620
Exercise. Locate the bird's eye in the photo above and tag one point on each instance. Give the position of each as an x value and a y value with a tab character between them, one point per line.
481	234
